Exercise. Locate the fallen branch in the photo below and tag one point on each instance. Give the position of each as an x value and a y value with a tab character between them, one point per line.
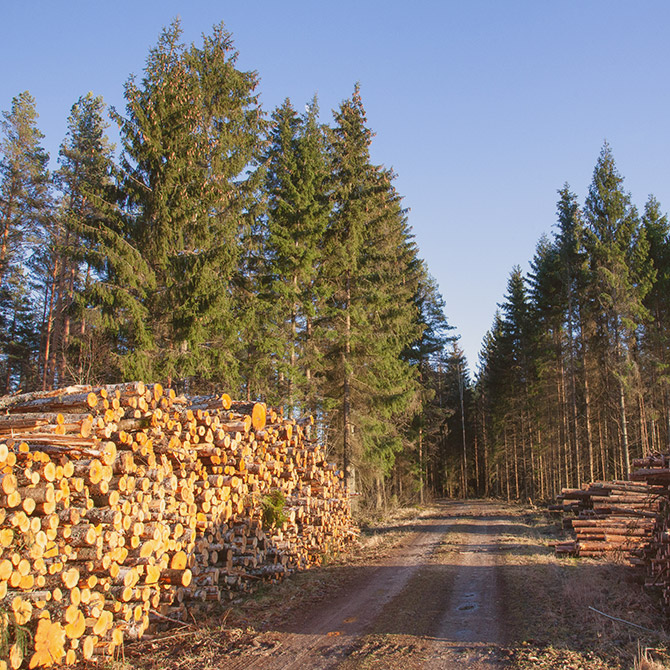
629	623
167	618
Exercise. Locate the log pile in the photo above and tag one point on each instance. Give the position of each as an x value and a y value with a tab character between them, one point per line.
125	506
631	518
611	518
655	469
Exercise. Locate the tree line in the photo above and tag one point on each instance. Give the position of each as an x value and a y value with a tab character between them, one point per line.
573	375
225	249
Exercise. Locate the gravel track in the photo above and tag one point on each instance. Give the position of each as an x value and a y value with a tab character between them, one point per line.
431	602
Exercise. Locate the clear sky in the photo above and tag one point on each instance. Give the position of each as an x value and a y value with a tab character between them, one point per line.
484	108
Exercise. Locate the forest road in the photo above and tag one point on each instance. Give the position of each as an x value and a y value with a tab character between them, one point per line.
430	602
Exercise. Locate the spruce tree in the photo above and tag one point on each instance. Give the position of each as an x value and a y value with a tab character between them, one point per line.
298	210
386	386
372	272
656	342
353	181
191	129
620	277
493	391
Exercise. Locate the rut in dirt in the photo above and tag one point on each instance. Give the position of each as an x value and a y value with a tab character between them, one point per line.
431	602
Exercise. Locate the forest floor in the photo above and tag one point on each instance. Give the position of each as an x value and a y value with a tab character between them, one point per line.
455	584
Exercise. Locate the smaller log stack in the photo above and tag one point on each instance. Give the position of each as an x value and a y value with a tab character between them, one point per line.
629	517
124	506
655	469
611	518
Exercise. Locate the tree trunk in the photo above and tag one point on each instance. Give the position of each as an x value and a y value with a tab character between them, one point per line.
485	452
346	391
4	247
47	363
465	451
624	431
587	417
516	465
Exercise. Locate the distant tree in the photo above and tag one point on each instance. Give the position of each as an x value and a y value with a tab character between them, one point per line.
428	354
493	394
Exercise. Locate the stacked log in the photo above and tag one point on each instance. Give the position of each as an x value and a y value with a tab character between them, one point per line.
611	518
124	506
655	469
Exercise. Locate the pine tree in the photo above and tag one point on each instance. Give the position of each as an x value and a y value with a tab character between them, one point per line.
84	179
25	211
24	182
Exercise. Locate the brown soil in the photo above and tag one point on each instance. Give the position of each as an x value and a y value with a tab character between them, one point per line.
457	585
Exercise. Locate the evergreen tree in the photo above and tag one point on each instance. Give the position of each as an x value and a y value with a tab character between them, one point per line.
298	210
457	372
19	334
372	271
353	186
191	129
24	182
84	179
386	385
25	210
656	341
428	355
620	277
493	396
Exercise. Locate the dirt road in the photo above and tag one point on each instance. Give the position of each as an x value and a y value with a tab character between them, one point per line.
457	585
432	602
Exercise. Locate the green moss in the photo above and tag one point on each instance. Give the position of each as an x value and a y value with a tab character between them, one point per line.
273	509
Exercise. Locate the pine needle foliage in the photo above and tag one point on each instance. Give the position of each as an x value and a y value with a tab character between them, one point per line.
273	504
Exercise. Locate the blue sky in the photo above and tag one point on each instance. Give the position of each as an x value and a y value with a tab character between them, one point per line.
484	108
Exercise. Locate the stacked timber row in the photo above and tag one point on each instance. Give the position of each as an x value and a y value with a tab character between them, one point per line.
655	469
611	518
125	506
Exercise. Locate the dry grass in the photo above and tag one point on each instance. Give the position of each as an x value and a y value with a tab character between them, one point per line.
551	600
646	661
